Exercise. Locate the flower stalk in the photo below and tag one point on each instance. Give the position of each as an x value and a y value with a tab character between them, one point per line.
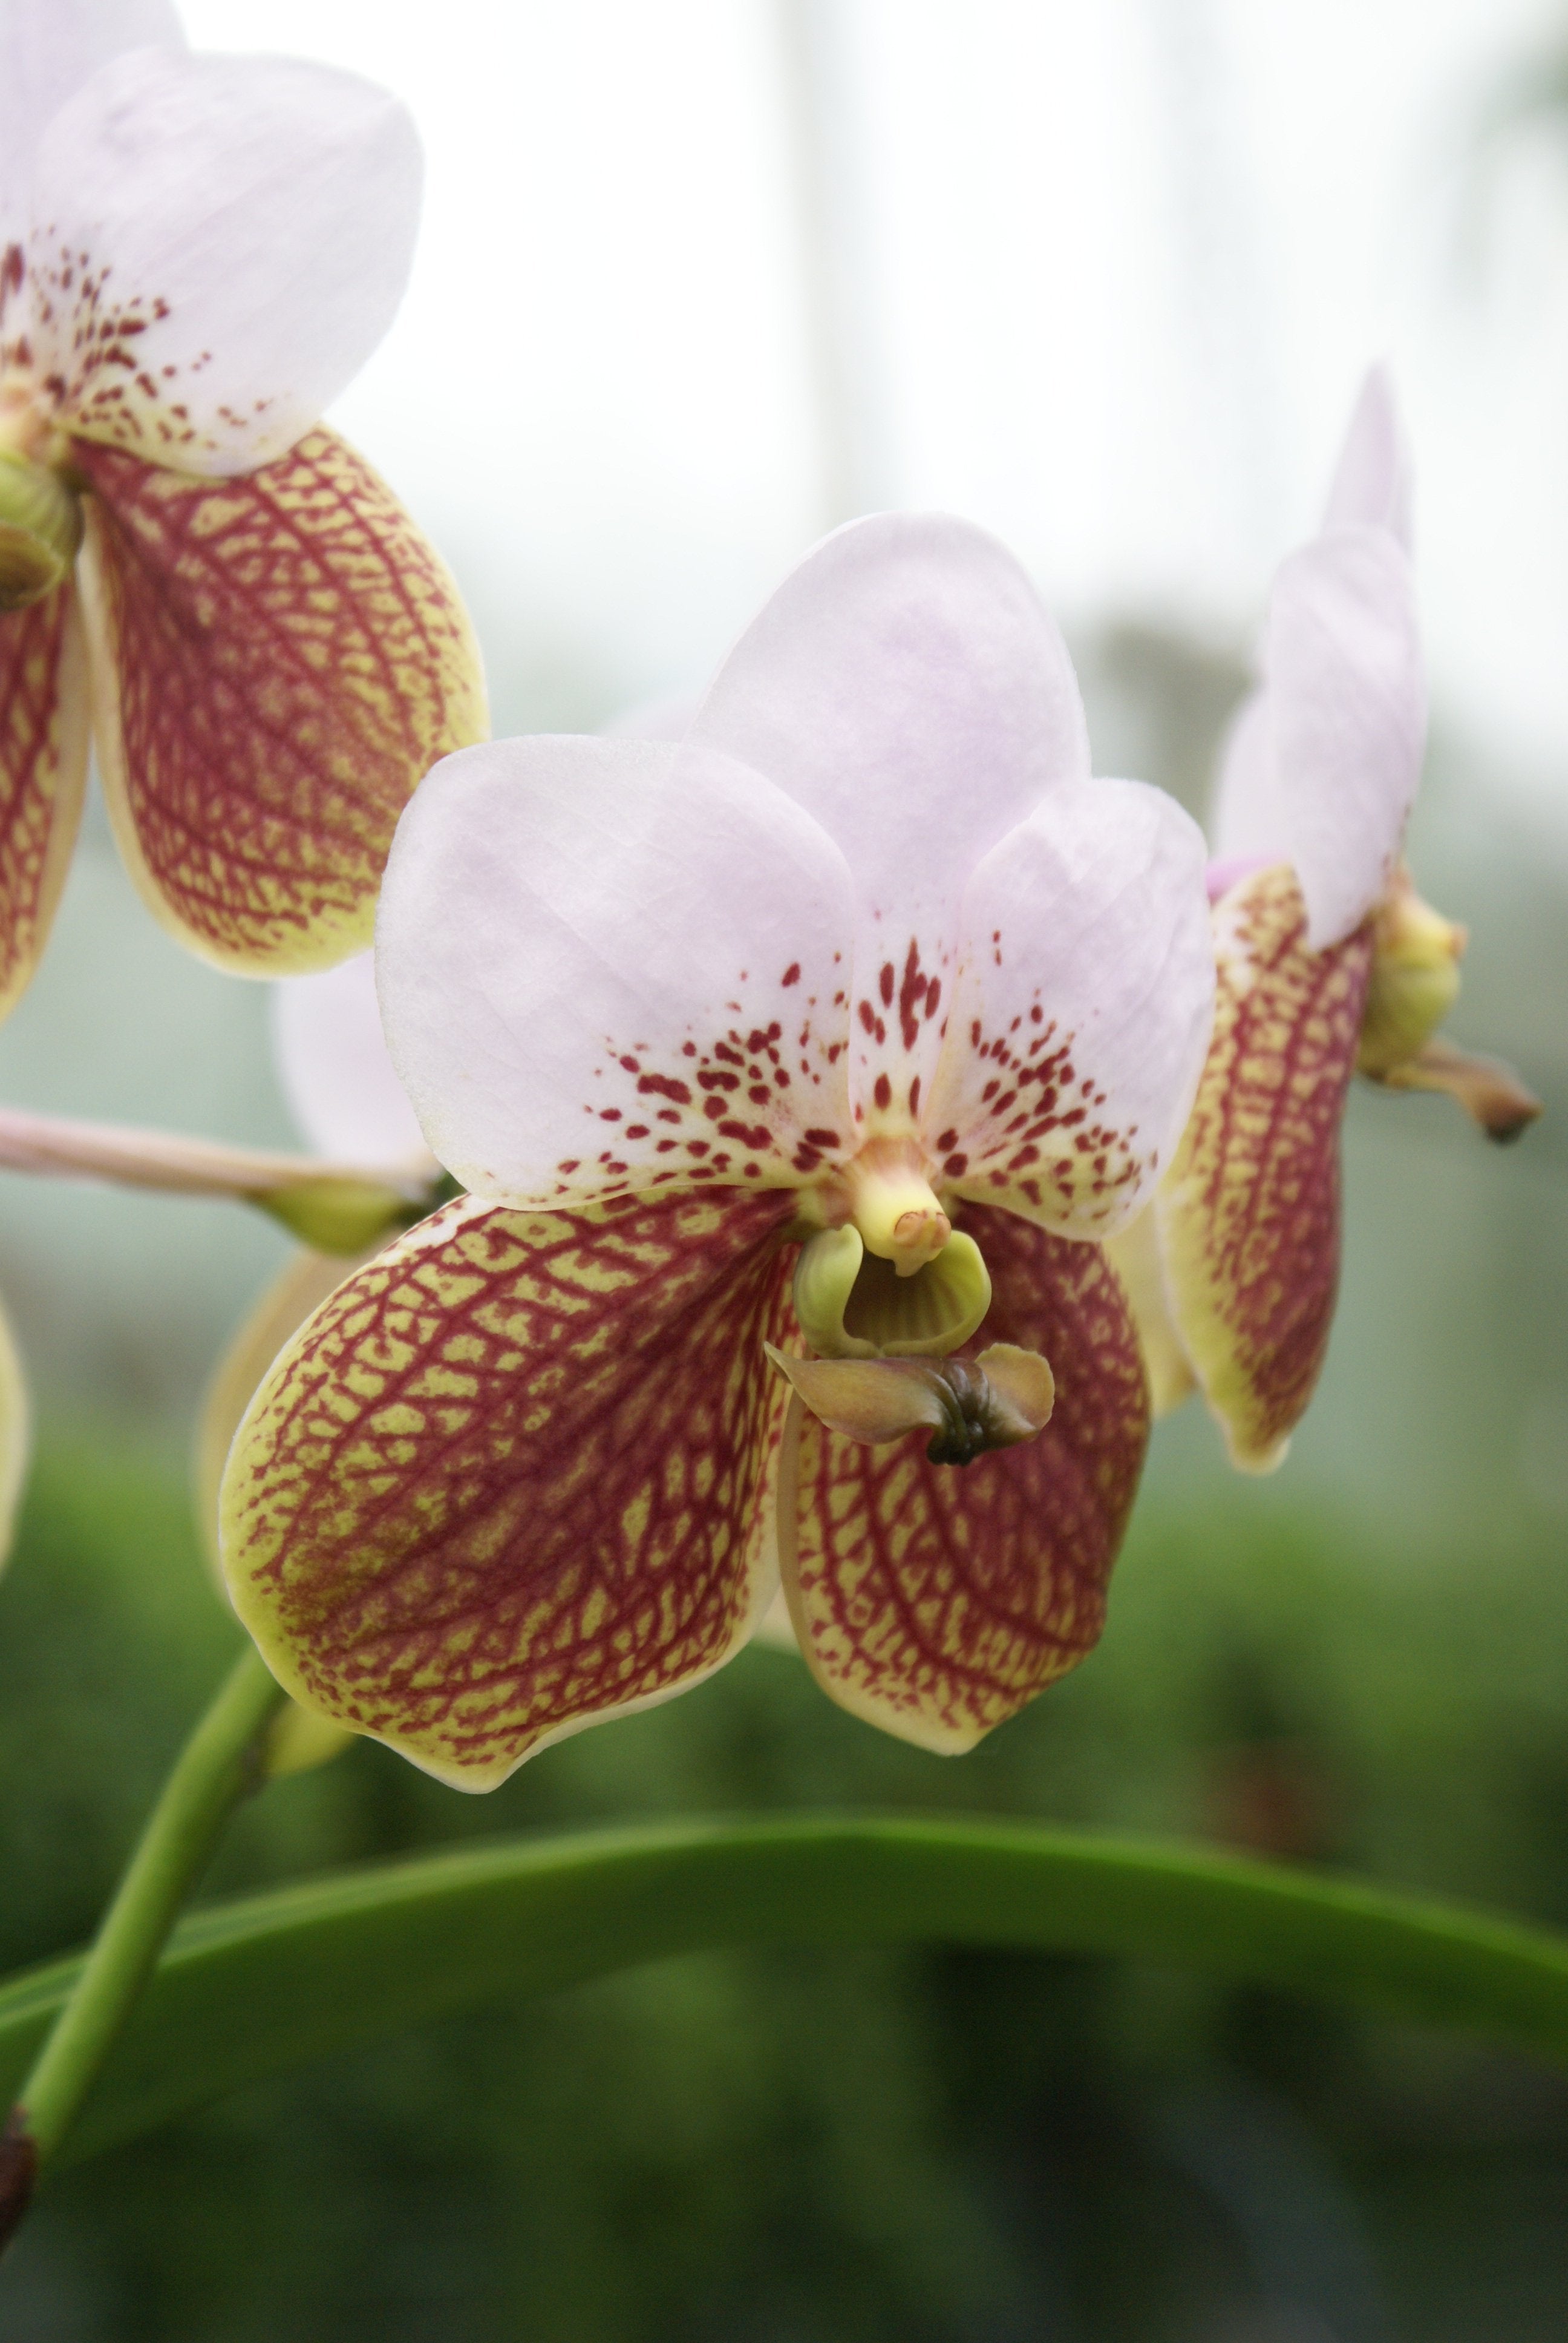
334	1207
222	1763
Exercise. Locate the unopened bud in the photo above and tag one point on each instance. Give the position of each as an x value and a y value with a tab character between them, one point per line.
340	1214
40	530
1414	978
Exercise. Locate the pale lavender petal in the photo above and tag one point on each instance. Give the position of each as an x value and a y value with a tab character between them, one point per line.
907	687
1082	1010
1347	697
217	246
49	48
332	1061
604	971
1372	482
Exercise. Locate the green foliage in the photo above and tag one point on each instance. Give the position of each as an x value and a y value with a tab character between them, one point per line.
923	2146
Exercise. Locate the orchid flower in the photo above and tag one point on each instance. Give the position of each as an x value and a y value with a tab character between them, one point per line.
1328	961
198	254
794	1070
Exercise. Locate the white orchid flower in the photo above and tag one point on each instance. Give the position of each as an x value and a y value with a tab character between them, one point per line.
843	1026
197	255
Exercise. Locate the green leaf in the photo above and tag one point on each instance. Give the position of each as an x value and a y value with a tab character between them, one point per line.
249	1988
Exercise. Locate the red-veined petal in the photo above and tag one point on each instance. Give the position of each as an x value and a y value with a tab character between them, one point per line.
300	1288
505	1483
217	244
1081	1012
43	736
1250	1212
906	685
298	1740
1138	1257
278	660
602	972
935	1601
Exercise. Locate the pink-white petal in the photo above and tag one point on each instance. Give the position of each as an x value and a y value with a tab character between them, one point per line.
605	970
1372	482
1082	1010
908	688
1250	821
332	1061
217	244
49	48
1347	696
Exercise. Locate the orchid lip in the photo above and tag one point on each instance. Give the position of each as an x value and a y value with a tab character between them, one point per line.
969	1406
852	1304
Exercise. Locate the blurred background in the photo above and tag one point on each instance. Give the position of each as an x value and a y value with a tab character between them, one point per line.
698	281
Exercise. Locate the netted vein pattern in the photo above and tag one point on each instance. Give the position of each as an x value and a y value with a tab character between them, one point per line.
43	769
1250	1212
280	658
935	1600
508	1479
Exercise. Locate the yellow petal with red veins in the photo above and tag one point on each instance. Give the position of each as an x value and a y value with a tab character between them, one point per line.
300	1288
43	734
298	1740
1138	1262
1249	1210
278	660
506	1481
935	1601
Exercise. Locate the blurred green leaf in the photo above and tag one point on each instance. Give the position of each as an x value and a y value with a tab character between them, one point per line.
251	1988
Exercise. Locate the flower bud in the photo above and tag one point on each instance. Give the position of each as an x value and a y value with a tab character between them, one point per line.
1415	981
339	1214
40	530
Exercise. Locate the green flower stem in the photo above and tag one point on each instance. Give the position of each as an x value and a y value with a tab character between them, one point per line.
217	1769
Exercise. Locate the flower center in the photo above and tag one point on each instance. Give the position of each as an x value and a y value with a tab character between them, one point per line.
40	514
852	1305
886	1193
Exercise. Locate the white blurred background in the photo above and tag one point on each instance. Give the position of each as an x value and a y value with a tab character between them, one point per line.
700	278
